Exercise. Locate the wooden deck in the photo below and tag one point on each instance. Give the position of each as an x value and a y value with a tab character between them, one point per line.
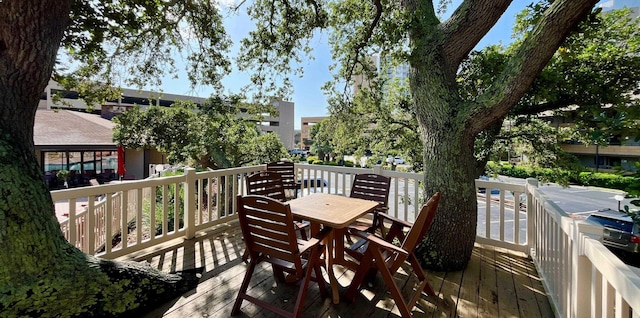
496	283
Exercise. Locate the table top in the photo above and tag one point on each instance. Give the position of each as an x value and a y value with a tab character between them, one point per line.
333	210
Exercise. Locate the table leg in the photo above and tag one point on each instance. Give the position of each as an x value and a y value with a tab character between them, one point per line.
333	282
339	246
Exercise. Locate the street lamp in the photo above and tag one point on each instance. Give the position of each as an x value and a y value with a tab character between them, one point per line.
618	198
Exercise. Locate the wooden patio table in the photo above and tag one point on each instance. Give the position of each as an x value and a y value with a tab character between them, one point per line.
333	211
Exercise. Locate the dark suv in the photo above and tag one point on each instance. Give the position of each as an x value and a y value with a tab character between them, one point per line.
619	230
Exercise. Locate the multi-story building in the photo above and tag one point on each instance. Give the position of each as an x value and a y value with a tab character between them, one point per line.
281	124
305	130
79	141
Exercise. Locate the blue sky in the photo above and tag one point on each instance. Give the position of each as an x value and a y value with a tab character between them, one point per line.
308	98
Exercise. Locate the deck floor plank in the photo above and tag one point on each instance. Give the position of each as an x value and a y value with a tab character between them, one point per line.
507	296
487	285
526	297
469	293
450	295
496	283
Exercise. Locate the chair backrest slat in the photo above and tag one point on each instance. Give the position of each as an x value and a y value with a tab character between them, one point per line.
372	187
267	228
287	172
266	183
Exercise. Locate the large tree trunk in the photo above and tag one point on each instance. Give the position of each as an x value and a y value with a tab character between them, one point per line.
41	274
449	125
449	165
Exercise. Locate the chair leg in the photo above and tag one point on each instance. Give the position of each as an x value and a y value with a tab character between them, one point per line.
303	234
424	282
361	273
243	288
278	273
302	292
245	256
405	311
317	269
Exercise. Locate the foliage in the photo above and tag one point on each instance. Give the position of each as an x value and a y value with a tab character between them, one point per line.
321	134
212	135
589	82
565	177
312	159
606	180
63	175
107	45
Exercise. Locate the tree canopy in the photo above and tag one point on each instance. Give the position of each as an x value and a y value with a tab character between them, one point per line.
590	81
39	269
214	135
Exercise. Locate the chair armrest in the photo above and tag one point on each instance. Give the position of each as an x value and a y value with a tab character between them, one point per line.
372	238
400	222
322	235
303	245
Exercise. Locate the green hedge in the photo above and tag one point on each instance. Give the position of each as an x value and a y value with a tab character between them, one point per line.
316	161
606	180
594	179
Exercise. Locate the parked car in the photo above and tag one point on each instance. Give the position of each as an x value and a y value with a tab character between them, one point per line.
317	182
619	230
395	160
483	190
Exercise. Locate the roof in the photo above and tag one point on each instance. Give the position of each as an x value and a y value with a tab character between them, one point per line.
65	129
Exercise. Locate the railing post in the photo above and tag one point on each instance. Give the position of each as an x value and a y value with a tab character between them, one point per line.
581	268
190	203
531	184
377	169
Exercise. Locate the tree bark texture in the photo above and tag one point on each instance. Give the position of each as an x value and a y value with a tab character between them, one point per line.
449	125
41	274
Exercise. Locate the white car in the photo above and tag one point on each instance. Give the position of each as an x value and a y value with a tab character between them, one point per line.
395	160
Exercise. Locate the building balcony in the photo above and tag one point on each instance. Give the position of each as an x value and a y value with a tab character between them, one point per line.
530	258
610	150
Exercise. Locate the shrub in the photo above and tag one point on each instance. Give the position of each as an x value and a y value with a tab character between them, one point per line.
606	180
564	177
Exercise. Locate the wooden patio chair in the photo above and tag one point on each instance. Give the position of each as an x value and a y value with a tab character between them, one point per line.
288	175
266	183
269	184
373	187
269	234
379	254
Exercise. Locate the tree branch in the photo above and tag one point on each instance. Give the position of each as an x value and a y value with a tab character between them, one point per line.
527	62
363	43
533	109
467	26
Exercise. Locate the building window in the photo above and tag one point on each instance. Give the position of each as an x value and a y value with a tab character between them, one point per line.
83	166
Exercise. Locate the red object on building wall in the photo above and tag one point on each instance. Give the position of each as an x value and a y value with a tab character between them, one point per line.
121	169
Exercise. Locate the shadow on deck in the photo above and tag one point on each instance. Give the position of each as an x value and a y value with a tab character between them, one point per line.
496	283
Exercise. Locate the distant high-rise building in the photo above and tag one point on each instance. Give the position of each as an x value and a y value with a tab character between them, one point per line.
383	68
305	130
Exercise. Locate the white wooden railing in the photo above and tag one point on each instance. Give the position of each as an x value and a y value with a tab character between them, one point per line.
582	277
74	228
575	267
